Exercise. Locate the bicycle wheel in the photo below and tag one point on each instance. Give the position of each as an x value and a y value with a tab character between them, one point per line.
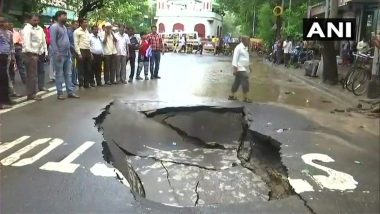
348	79
360	82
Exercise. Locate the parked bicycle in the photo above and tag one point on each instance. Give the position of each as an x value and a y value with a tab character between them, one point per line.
359	74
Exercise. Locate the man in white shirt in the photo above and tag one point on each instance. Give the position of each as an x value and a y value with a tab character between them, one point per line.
110	51
200	46
362	46
96	48
122	55
182	44
35	53
241	69
287	46
84	57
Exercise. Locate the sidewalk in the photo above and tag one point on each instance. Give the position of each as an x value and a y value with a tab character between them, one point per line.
352	103
343	95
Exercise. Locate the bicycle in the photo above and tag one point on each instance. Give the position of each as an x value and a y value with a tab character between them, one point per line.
361	62
362	76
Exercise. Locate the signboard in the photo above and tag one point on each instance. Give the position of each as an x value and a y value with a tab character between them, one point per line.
50	11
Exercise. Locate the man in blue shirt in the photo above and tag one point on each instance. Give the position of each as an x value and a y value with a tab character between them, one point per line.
60	48
70	32
6	50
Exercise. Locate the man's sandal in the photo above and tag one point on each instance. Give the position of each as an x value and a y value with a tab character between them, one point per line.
247	100
232	98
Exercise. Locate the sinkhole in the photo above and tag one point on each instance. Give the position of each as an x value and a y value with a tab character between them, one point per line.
192	156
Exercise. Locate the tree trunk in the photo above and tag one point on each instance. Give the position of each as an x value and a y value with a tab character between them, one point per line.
279	26
330	68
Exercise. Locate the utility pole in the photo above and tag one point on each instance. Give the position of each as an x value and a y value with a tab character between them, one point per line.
333	9
327	6
254	21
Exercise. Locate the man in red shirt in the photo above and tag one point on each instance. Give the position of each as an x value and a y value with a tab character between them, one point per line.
157	45
143	58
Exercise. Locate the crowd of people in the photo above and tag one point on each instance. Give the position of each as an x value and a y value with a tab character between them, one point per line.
77	56
286	51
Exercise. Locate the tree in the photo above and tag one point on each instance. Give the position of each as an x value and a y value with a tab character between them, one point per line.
330	68
293	21
265	22
229	25
126	12
91	5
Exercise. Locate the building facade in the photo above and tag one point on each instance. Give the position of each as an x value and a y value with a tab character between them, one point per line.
366	13
188	16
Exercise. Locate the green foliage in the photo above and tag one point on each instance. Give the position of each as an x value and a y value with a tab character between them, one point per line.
293	21
229	25
266	20
244	13
132	13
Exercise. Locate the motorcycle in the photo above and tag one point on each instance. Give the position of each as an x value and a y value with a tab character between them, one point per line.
299	56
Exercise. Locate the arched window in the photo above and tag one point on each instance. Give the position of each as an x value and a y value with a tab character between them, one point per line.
201	29
161	28
178	27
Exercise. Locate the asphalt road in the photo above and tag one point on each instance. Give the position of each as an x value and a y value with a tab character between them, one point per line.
53	158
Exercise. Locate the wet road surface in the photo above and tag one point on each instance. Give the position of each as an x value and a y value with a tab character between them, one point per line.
158	157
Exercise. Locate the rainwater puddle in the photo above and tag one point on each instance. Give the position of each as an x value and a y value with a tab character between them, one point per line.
266	85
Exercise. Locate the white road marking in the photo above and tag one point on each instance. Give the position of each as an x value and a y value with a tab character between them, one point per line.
52	145
26	103
100	169
15	156
336	180
51	89
5	146
66	165
300	185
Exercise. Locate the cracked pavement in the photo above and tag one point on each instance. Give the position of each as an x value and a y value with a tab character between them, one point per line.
192	170
218	156
243	167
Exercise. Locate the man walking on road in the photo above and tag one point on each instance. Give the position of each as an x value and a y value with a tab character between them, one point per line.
110	51
6	50
133	47
35	53
157	45
84	56
96	48
60	48
241	70
122	55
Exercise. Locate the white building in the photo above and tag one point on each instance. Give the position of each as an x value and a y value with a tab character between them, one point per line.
188	16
